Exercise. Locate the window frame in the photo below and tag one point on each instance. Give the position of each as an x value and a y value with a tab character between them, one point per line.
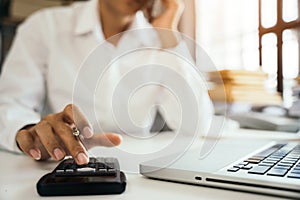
278	30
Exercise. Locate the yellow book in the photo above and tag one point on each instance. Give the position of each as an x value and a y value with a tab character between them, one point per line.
247	96
238	77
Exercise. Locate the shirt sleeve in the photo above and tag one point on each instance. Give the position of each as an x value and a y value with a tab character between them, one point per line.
22	83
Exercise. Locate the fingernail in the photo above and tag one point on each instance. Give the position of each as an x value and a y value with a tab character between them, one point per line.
82	158
35	154
117	140
87	132
58	154
121	137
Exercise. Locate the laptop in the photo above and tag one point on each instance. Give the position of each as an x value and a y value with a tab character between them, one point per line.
259	166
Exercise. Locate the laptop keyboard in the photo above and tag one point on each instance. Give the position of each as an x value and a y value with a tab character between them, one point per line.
281	160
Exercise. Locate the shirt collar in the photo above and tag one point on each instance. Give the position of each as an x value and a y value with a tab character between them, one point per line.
143	30
87	18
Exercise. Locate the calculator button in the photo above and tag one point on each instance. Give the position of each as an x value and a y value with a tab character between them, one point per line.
86	169
92	160
60	171
69	170
110	165
100	166
102	171
111	172
68	161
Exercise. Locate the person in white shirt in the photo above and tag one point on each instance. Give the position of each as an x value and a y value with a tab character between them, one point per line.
42	66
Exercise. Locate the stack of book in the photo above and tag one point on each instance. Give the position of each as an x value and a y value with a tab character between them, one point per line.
240	86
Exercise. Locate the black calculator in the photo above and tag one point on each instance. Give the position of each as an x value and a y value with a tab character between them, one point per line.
100	176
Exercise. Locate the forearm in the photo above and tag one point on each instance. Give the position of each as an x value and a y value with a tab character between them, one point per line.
168	38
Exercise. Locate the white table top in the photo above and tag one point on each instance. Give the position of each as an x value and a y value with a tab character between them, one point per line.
19	176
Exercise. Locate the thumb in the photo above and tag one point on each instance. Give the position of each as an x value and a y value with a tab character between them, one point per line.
103	139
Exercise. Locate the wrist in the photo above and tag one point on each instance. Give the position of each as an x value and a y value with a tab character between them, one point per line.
168	20
174	5
27	127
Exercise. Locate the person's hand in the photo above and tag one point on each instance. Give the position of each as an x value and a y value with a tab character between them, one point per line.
167	22
170	17
53	137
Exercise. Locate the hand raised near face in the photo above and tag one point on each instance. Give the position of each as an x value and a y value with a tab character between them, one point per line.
169	18
166	23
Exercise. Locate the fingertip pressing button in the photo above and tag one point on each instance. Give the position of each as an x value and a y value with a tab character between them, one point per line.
82	158
58	154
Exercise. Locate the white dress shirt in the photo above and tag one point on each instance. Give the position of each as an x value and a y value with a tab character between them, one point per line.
47	63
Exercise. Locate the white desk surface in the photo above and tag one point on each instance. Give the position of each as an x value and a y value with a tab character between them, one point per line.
19	175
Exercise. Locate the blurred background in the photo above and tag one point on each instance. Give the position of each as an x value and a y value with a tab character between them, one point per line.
247	35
